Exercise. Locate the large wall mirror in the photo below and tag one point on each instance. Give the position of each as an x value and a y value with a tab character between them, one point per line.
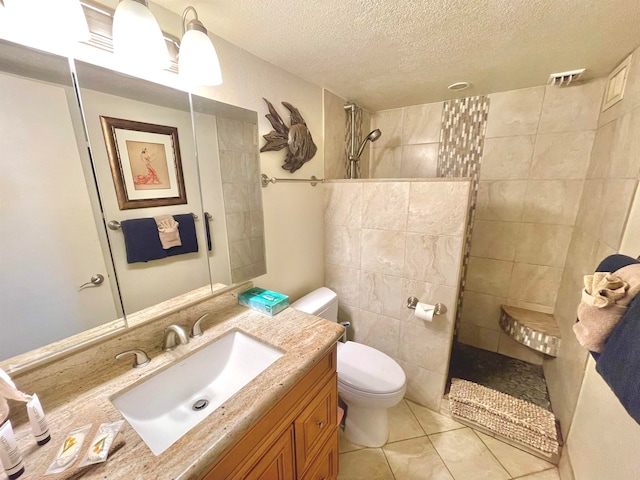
59	194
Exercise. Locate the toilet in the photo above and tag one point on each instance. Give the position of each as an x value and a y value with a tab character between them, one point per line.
369	381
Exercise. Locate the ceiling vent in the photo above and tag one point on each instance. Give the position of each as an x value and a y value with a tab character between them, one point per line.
565	78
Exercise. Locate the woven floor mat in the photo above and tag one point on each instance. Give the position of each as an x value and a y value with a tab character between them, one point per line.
505	415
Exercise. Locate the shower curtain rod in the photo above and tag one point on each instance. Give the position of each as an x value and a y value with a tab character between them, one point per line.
313	180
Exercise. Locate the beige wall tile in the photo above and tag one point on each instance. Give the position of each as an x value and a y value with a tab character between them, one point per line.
423	386
501	200
345	282
541	244
562	155
385	162
478	337
432	422
592	208
425	347
368	328
514	460
489	276
422	123
433	258
552	201
494	239
516	112
507	158
334	135
383	251
601	151
415	458
342	246
481	310
509	347
343	204
430	293
419	161
535	283
625	154
385	205
617	198
390	124
572	108
381	294
466	457
438	208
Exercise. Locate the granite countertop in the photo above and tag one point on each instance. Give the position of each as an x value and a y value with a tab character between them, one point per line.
303	338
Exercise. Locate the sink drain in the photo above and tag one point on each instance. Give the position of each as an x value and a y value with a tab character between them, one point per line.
200	405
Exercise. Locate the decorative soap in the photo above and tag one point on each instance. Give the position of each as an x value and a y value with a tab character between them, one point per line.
265	301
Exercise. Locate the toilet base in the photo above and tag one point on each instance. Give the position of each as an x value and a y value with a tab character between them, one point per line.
366	426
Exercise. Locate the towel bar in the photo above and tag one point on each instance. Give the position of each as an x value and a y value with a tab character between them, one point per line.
116	225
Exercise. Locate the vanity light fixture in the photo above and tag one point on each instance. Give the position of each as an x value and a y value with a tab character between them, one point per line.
197	61
36	23
137	38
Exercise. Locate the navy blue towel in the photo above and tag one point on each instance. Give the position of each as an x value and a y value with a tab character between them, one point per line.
619	362
187	229
142	241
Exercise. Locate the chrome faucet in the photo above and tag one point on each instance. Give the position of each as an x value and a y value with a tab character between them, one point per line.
196	329
174	335
141	359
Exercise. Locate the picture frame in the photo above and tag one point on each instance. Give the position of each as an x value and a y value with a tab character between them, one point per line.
145	163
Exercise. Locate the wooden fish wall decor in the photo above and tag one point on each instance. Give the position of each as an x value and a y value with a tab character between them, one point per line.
297	138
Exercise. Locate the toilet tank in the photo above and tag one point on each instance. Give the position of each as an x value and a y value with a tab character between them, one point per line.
322	302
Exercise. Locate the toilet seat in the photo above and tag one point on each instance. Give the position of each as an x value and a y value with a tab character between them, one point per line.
366	371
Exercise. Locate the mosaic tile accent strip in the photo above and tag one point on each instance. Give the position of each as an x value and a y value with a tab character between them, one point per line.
464	122
347	138
527	333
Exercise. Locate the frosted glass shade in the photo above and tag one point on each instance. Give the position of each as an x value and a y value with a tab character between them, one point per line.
138	41
198	61
46	23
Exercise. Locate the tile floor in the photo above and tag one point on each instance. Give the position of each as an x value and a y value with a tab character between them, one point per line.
424	444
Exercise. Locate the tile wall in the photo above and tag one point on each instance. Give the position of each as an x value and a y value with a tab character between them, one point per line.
611	180
389	240
240	172
536	154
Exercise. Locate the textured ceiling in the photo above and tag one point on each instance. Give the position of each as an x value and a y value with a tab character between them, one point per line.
393	53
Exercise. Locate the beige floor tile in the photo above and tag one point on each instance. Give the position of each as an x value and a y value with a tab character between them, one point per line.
514	460
416	459
431	421
369	463
466	457
346	446
551	474
402	423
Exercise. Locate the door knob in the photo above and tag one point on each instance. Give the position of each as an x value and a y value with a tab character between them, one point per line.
95	280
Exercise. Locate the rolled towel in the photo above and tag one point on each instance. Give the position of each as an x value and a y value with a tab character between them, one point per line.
605	288
168	231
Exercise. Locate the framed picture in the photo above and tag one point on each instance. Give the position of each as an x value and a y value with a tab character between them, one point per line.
145	163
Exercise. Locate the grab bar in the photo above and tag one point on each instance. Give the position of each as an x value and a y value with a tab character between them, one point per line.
313	180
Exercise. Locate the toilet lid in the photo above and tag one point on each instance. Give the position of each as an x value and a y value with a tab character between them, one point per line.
369	370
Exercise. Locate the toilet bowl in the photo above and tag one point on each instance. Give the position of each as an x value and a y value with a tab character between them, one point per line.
369	381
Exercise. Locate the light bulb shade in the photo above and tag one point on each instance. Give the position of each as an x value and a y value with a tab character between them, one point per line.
57	24
198	61
138	41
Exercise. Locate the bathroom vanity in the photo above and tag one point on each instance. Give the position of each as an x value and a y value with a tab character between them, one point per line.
282	424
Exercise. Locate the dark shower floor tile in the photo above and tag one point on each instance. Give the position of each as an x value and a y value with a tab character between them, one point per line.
499	372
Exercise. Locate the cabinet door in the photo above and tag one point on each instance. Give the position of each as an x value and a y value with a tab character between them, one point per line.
277	463
317	422
325	465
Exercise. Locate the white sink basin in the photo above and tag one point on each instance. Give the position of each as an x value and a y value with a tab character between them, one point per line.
169	404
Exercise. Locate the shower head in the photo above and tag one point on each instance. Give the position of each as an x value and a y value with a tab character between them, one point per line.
372	137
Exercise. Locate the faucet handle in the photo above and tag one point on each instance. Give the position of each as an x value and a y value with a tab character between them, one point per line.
141	359
196	330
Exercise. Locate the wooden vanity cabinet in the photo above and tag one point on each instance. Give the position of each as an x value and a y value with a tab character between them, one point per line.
297	439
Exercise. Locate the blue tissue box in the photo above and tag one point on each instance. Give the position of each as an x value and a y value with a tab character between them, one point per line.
265	301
